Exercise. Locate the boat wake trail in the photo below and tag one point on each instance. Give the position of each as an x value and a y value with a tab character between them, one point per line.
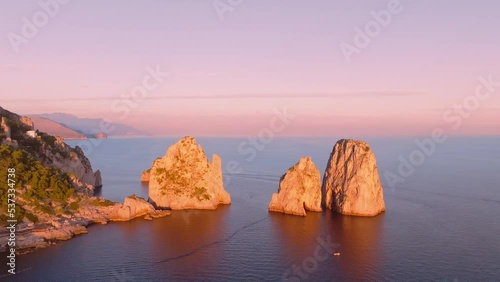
213	243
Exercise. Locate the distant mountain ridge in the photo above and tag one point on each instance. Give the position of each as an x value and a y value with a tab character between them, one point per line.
54	128
90	126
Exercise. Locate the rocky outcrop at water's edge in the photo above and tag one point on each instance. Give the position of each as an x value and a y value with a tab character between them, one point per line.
88	211
299	190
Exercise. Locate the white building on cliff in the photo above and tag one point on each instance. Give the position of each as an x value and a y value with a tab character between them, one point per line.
31	133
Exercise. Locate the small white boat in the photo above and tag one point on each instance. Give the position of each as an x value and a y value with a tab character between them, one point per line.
336	254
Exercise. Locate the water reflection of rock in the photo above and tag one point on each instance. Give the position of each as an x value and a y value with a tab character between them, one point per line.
295	235
360	246
358	240
191	238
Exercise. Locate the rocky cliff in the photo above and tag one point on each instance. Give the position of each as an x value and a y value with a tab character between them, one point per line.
185	179
50	177
299	190
351	184
5	128
49	150
54	184
73	162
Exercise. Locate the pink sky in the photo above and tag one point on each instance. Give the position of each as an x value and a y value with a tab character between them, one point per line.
226	77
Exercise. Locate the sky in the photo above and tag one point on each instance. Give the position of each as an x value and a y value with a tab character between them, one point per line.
351	68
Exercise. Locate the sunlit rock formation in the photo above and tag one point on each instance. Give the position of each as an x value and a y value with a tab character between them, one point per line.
133	207
185	179
299	189
351	184
145	175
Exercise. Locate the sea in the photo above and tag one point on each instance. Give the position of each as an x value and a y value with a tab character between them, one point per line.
442	219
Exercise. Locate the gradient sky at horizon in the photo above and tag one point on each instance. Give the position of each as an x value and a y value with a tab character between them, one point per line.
226	77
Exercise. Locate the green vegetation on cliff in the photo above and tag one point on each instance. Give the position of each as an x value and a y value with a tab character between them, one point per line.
46	186
40	186
33	146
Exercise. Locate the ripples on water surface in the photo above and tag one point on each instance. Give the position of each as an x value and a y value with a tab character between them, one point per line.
441	224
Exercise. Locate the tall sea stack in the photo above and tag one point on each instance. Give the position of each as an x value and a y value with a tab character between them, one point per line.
351	184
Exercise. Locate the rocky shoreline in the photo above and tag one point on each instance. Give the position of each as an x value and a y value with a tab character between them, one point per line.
30	236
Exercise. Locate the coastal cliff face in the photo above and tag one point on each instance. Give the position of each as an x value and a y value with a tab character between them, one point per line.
71	161
351	184
299	190
185	179
53	181
5	128
51	151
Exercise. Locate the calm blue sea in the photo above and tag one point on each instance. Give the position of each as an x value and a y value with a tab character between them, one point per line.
442	223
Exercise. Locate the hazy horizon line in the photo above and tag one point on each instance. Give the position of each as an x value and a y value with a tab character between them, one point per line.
340	94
